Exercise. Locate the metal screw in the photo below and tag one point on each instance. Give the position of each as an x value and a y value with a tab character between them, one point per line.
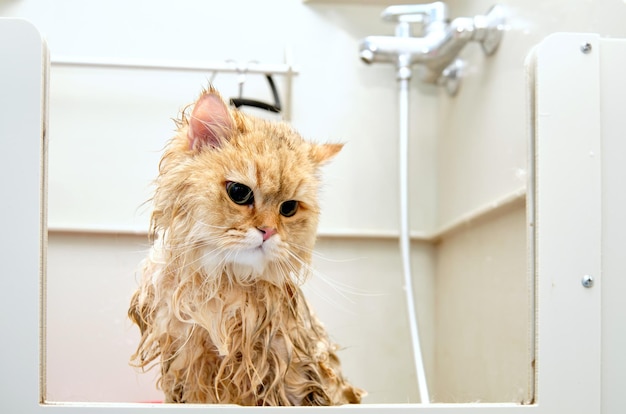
587	281
585	48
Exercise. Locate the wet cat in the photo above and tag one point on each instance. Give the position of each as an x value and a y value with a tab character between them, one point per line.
219	304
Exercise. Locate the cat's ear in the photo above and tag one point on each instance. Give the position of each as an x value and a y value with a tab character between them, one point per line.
211	122
322	153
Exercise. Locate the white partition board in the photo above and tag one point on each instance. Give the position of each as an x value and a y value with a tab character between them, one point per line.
23	62
568	127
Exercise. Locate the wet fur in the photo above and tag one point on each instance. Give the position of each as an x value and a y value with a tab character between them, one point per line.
225	324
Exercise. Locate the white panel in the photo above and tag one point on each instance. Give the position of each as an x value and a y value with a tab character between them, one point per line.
568	220
22	57
613	225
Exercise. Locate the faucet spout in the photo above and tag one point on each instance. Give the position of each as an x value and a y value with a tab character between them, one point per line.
386	49
435	50
441	43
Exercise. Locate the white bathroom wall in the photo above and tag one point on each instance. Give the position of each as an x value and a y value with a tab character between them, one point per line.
483	305
482	153
335	97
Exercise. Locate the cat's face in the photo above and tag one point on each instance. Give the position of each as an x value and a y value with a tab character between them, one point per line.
248	192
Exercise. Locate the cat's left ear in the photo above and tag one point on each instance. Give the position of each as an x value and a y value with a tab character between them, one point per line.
211	122
322	153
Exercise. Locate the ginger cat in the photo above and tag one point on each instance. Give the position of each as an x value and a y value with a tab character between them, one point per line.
219	304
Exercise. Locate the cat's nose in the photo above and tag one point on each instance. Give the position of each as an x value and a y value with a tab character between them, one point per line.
267	232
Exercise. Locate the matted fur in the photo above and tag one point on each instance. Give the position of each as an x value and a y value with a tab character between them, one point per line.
220	309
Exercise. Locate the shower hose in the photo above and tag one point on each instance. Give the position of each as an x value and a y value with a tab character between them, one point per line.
404	76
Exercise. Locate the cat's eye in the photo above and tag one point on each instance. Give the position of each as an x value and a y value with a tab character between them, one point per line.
240	194
289	208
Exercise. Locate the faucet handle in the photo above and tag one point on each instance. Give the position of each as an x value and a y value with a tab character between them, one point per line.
416	13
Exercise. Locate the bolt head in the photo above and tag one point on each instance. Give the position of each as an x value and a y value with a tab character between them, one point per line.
586	48
587	281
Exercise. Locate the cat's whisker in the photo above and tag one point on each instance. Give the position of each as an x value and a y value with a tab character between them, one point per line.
318	255
342	288
286	269
207	225
322	294
335	302
337	283
184	246
297	275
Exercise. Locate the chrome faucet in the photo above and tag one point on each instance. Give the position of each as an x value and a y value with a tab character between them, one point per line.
439	43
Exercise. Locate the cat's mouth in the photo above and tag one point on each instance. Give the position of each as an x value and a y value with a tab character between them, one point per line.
249	255
256	257
263	250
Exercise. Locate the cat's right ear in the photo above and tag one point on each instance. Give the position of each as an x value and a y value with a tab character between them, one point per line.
211	122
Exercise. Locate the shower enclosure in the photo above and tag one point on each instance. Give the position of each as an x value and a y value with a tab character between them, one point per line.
576	94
